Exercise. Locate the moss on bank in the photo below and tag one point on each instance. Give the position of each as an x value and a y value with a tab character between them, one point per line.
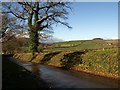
99	62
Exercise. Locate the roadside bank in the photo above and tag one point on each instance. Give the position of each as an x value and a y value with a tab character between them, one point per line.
98	62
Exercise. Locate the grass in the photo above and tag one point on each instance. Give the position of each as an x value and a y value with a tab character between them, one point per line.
105	61
81	45
25	56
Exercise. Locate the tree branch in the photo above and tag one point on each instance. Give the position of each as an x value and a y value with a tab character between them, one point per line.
16	15
63	23
45	26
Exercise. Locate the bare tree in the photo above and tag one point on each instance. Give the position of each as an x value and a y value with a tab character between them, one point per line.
6	28
9	27
40	16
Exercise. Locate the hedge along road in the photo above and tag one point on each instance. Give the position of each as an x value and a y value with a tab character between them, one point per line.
59	78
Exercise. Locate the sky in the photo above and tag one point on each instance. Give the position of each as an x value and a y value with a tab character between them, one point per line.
90	20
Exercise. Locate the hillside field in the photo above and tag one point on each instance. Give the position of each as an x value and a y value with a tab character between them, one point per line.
82	45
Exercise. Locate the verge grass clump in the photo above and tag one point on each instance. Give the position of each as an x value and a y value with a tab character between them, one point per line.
104	61
48	56
23	56
39	58
55	60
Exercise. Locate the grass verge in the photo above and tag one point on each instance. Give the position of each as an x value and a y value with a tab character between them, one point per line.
99	62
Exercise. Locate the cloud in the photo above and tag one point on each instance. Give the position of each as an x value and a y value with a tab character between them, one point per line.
52	40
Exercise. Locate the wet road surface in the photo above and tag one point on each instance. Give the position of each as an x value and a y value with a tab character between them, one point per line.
58	78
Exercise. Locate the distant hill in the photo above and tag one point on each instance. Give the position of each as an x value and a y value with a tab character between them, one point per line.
97	38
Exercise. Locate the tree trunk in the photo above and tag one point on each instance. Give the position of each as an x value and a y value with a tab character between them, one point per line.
36	27
33	30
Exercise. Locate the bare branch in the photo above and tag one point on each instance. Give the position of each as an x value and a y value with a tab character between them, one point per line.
7	38
63	23
18	16
45	26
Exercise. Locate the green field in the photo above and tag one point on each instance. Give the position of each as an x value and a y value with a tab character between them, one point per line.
82	45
